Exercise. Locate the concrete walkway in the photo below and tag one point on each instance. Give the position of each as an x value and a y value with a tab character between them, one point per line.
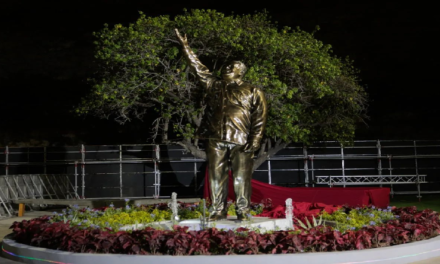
5	223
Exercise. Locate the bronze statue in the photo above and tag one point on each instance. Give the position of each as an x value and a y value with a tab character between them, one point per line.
233	126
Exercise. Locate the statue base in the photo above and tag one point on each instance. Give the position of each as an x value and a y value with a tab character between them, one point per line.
262	224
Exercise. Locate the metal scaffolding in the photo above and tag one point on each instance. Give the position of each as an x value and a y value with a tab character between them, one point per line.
371	179
363	176
33	186
115	171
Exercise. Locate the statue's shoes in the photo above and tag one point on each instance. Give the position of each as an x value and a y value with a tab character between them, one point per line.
243	217
216	216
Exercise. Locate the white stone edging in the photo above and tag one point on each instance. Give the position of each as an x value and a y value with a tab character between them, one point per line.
399	254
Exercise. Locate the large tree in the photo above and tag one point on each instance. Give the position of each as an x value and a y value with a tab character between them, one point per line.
312	95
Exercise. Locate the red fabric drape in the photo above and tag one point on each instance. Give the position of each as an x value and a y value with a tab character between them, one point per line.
352	196
300	210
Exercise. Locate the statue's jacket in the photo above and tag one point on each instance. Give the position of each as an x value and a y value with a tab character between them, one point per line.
235	112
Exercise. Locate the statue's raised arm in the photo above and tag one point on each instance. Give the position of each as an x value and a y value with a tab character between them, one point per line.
205	76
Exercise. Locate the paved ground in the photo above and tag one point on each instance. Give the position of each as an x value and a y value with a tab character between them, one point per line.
5	223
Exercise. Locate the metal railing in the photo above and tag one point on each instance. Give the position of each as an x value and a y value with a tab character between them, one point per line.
117	171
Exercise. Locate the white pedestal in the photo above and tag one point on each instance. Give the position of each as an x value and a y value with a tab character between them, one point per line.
263	224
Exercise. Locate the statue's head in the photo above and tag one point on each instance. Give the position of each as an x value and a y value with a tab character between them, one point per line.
234	71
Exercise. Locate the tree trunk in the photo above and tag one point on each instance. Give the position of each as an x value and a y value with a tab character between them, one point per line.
271	151
192	148
165	130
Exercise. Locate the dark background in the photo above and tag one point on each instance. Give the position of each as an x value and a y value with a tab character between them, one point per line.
46	56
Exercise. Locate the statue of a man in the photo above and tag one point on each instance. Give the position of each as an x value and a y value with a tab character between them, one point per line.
233	126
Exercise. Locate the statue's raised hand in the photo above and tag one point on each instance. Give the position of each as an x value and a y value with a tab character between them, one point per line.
183	40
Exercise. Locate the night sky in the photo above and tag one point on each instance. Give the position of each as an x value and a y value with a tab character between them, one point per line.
46	56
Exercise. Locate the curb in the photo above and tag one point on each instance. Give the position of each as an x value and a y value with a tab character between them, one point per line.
405	253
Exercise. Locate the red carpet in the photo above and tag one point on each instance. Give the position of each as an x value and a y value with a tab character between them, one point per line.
351	196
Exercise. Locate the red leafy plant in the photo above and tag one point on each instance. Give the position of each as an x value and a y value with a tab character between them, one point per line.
411	225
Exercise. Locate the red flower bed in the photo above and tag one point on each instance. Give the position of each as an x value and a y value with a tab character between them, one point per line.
412	226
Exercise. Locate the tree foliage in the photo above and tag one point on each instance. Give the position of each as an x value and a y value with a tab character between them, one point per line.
312	95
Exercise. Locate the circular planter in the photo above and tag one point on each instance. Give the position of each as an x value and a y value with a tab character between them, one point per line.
406	253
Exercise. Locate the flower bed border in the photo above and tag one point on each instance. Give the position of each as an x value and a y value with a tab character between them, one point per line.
406	253
413	226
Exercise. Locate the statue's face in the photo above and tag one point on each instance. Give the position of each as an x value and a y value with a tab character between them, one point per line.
232	72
